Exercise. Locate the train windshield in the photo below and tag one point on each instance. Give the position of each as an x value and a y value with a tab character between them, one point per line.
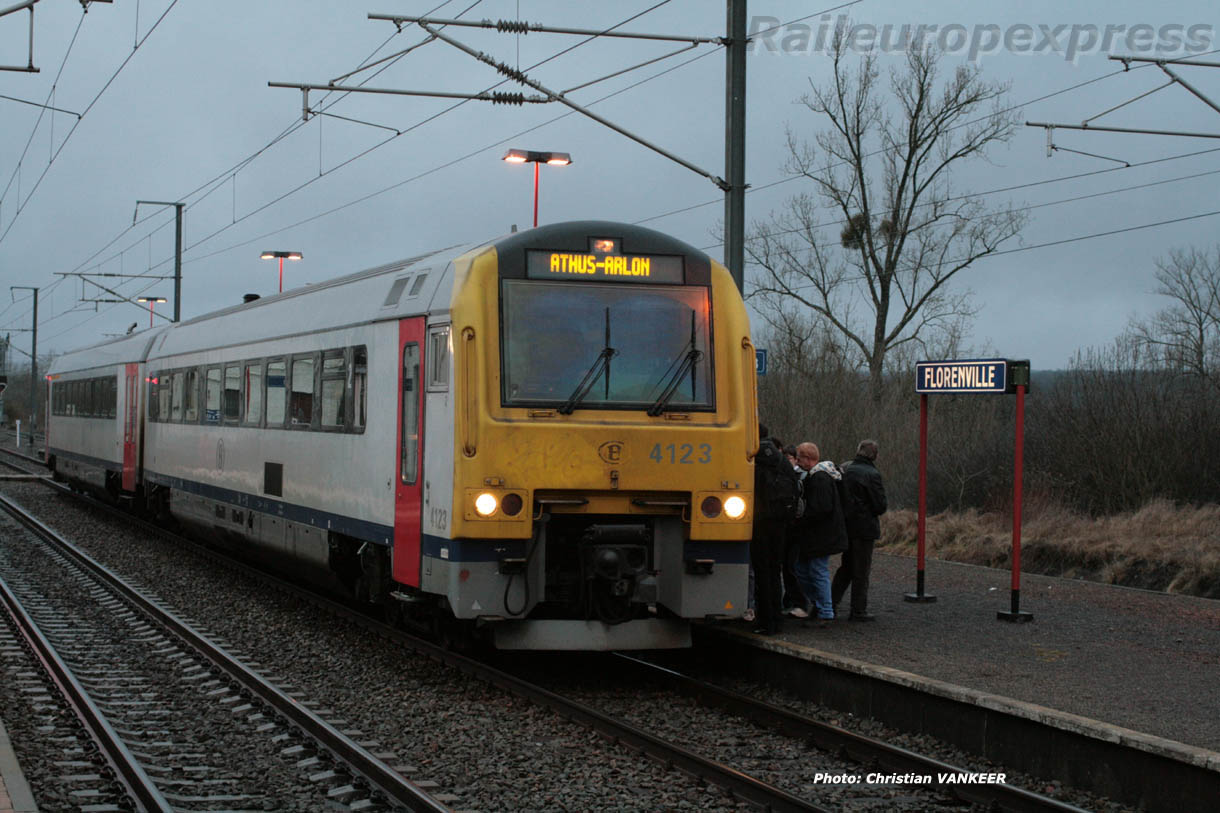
606	346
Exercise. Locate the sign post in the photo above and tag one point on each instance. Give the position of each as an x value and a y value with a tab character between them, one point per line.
1020	381
919	595
997	376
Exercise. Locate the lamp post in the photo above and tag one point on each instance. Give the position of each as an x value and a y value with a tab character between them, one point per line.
151	300
281	256
555	159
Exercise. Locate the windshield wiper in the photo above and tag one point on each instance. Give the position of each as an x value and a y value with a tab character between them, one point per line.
689	360
602	362
688	365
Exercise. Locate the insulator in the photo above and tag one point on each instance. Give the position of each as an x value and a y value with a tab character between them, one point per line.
512	26
508	98
510	71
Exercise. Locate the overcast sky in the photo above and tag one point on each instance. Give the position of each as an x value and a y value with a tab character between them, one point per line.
184	117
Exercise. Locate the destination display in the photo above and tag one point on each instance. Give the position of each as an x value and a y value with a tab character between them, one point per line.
963	375
604	267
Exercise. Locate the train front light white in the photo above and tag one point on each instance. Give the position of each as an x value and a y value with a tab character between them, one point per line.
734	507
485	504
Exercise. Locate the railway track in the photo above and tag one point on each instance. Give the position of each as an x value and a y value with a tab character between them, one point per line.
671	750
804	735
735	783
832	751
147	684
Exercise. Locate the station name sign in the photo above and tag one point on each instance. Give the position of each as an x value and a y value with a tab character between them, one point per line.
962	375
597	266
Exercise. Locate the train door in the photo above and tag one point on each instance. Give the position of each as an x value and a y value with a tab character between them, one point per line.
408	488
131	416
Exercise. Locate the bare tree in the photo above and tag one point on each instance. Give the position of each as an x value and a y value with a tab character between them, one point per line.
882	171
1185	336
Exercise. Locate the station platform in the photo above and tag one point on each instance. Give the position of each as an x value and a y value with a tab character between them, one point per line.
1135	659
15	796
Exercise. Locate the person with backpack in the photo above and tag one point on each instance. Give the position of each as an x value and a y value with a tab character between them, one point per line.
822	530
865	502
776	497
795	603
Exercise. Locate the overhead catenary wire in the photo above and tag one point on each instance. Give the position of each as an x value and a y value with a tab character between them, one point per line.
22	204
1029	185
224	176
292	128
791	178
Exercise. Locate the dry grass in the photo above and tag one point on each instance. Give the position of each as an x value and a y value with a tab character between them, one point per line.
1159	547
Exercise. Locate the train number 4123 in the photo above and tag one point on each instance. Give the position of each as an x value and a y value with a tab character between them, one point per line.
681	453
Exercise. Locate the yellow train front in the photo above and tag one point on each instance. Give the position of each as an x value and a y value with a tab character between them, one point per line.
604	425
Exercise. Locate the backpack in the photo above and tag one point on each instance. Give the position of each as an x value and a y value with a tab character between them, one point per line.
777	489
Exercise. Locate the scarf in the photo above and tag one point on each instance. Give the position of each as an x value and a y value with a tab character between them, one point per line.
829	467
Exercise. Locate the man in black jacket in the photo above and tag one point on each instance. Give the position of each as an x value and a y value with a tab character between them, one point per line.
821	532
767	539
865	502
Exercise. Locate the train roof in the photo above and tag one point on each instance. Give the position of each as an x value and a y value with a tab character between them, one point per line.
416	285
413	286
122	350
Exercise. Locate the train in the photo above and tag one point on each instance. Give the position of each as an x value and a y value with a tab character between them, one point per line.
543	441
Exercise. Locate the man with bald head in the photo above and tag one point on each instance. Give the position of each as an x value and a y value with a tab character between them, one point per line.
821	532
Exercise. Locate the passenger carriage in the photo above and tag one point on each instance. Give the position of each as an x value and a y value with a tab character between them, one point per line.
545	439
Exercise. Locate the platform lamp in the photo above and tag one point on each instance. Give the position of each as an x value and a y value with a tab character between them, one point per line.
281	256
152	301
555	159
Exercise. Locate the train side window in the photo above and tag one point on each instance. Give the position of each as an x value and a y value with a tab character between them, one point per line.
231	401
175	410
190	394
334	387
276	373
211	396
438	358
301	403
410	413
163	396
254	394
360	378
153	403
419	284
112	397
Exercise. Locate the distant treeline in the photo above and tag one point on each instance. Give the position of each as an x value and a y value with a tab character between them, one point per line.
1108	434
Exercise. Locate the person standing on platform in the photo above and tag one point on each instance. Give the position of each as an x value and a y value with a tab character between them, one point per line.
795	603
865	502
775	494
821	531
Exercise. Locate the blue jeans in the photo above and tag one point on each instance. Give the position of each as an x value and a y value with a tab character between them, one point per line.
814	577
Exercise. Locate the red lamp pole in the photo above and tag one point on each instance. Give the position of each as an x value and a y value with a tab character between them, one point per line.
281	256
557	159
536	194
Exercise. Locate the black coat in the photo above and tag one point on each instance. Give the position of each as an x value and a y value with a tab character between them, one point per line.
865	499
822	531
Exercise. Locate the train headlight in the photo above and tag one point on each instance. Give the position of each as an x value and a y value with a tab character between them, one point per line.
485	504
734	507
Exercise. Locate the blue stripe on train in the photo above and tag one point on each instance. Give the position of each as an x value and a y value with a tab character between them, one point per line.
109	465
356	528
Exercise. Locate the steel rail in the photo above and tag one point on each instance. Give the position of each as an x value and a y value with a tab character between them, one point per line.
857	746
729	779
126	768
379	775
